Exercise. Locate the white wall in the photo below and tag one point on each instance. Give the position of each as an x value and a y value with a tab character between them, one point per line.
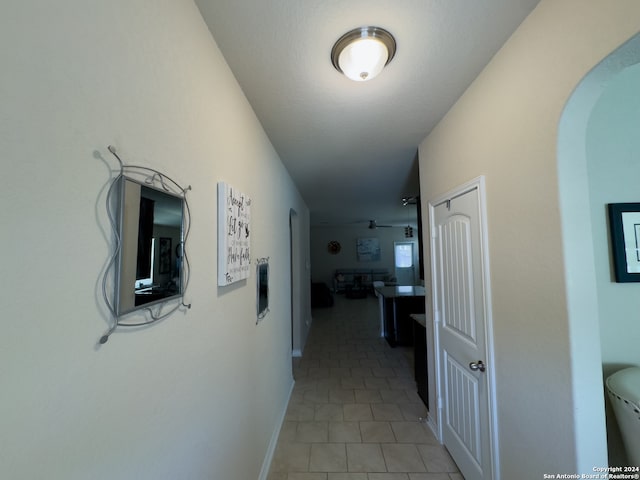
200	394
509	121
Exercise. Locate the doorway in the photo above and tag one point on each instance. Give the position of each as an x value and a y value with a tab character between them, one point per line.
295	281
403	254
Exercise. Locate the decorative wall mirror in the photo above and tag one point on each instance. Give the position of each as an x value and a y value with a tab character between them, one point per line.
149	214
148	269
262	274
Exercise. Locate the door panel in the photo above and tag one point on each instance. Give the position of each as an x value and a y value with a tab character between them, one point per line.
463	396
457	284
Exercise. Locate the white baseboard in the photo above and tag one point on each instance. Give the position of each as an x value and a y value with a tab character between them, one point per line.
296	353
273	443
433	427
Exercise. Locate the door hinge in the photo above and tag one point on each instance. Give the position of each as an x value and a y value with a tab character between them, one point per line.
440	404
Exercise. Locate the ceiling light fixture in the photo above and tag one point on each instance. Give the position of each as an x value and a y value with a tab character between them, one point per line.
362	53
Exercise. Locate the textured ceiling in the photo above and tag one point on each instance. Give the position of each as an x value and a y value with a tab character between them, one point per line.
351	147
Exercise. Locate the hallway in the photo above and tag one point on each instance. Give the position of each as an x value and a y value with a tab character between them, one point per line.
354	412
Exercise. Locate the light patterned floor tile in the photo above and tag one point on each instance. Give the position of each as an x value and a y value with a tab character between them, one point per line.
388	476
361	372
278	476
300	412
318	372
340	372
365	457
316	396
348	432
376	432
374	382
437	459
329	412
384	372
402	458
413	412
310	432
412	432
352	383
394	396
307	476
291	457
401	383
386	412
368	396
357	412
342	396
288	431
347	476
429	476
328	457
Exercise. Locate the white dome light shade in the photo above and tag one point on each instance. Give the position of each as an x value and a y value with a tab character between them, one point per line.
363	59
361	54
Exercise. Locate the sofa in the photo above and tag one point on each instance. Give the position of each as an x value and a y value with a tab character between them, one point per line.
321	296
361	279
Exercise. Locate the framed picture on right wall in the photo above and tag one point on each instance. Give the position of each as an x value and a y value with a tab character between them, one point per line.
624	225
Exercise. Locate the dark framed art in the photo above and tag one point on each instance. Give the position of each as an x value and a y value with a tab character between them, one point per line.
334	247
624	226
164	265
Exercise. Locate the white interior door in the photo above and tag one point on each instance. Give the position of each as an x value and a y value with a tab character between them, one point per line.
461	305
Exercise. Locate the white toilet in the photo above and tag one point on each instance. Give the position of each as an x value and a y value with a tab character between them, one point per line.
624	392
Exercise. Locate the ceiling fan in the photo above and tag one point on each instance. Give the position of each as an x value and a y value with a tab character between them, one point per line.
373	225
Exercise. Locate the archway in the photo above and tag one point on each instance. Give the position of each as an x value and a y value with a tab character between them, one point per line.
580	255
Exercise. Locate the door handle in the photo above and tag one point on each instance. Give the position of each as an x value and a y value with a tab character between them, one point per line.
475	366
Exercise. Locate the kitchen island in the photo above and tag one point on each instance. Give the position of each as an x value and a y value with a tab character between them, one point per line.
399	302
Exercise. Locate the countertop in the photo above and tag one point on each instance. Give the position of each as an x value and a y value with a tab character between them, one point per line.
421	318
401	291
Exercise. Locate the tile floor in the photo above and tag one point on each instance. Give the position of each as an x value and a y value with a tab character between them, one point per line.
354	413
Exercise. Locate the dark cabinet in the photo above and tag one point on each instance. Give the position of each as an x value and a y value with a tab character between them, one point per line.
420	356
399	328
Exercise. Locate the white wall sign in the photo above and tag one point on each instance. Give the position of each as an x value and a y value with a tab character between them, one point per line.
234	235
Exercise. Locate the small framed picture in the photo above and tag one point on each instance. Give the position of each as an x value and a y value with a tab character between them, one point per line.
624	224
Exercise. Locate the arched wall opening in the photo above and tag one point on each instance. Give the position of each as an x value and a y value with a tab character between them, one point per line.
599	163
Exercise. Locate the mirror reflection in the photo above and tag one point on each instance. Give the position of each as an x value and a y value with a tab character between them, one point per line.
263	289
151	241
